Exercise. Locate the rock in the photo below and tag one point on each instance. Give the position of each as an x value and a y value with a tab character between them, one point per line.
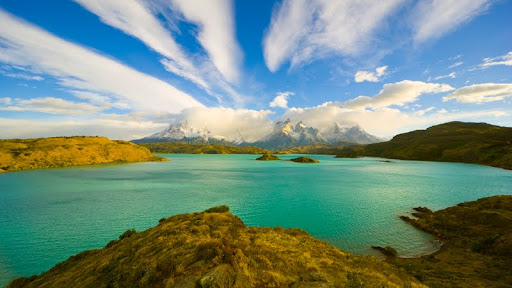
221	276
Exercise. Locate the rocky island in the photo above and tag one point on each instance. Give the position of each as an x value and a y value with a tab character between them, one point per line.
304	160
215	249
25	154
268	157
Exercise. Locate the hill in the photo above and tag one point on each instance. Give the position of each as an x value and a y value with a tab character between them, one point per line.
477	143
215	249
24	154
182	147
477	245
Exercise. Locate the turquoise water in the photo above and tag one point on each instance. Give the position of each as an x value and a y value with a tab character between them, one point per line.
48	215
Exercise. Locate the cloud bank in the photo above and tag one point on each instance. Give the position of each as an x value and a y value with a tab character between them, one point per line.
481	93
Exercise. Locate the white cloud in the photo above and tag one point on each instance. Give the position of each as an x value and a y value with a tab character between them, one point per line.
22	76
135	19
424	111
112	128
304	30
500	60
398	93
383	122
369	76
51	105
432	19
230	123
74	66
5	100
215	19
481	93
452	75
281	100
98	99
456	64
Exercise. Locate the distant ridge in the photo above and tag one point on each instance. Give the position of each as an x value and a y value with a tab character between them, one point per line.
466	142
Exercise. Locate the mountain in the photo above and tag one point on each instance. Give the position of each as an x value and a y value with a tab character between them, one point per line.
215	249
354	134
182	132
477	143
286	135
25	154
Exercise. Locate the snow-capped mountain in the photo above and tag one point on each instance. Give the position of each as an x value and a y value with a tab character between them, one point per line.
354	134
182	132
286	135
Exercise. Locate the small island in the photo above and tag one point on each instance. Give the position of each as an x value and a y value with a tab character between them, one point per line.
304	160
268	157
216	249
27	154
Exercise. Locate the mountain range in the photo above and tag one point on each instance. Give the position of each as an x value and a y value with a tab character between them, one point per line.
284	135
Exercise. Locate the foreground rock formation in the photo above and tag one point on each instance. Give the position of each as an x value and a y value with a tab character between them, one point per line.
215	249
477	245
25	154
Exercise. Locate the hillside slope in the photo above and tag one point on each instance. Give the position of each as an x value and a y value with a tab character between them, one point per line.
477	143
25	154
215	249
477	245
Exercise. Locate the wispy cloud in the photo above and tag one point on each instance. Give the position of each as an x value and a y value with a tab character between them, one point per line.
212	70
481	93
301	31
370	76
398	94
456	64
51	105
452	75
281	100
25	45
215	19
434	18
500	60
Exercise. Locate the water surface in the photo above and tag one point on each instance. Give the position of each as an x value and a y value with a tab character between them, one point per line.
48	215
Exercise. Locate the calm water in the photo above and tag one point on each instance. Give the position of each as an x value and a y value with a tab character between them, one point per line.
48	215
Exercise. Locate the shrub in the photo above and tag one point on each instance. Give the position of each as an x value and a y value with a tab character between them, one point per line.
218	209
127	234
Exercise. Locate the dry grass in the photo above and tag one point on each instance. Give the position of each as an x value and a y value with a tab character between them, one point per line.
215	249
25	154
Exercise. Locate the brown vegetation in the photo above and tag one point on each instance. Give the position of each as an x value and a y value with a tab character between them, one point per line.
216	249
477	245
24	154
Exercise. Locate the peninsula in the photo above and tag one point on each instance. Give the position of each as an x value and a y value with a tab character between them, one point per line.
25	154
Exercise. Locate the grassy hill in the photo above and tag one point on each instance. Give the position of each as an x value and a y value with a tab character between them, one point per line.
24	154
187	148
477	245
477	143
215	249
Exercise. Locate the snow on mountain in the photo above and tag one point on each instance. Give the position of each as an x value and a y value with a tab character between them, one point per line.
182	132
350	134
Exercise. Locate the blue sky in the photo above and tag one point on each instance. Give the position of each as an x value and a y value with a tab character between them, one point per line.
128	68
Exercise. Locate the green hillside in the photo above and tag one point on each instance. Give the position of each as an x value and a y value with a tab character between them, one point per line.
215	249
477	143
25	154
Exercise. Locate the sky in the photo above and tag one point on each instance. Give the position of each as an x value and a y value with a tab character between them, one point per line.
128	68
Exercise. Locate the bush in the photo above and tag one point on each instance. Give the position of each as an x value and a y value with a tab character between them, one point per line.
127	234
218	209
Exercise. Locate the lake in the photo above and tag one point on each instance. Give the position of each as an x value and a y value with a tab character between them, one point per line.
48	215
